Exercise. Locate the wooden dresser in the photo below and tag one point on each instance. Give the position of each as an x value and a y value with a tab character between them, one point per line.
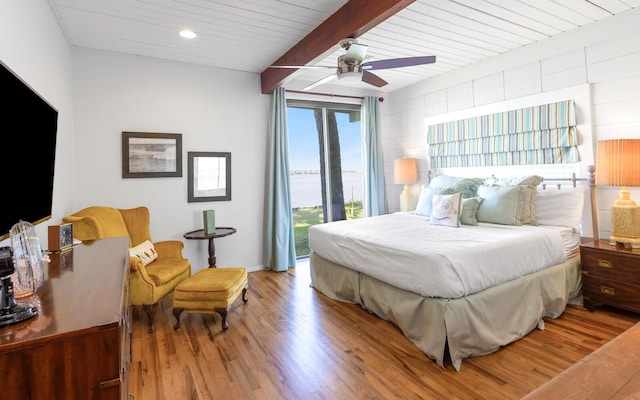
79	344
611	372
610	275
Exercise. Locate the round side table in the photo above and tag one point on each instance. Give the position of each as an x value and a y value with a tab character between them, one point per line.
218	233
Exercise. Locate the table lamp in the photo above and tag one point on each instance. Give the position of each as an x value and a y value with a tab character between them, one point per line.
405	172
618	164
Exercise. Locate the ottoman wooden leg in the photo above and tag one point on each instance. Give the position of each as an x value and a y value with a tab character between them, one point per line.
223	314
176	313
224	311
244	293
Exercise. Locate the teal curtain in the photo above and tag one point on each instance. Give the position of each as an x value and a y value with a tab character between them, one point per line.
279	241
374	197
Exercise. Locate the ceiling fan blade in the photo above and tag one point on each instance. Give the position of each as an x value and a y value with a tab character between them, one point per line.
398	62
355	53
303	66
320	82
373	79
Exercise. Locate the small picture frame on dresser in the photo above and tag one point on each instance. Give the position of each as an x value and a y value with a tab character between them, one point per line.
60	237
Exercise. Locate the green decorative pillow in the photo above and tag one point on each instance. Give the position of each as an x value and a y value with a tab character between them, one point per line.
528	192
446	209
528	209
467	186
144	251
500	205
470	208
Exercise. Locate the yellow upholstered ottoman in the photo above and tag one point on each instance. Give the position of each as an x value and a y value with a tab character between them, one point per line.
210	291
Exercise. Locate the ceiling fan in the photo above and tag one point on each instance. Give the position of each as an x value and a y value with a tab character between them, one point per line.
351	67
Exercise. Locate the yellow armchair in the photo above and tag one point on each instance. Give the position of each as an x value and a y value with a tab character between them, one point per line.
148	283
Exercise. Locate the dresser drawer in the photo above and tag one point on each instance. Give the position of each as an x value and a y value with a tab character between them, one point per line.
610	265
615	293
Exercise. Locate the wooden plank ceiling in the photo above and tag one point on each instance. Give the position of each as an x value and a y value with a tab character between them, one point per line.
251	35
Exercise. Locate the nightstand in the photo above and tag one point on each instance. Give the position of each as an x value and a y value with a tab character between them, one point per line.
610	275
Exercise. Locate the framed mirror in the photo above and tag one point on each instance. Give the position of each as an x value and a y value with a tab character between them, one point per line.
209	176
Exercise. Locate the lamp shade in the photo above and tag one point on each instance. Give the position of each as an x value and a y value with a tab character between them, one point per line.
405	171
618	162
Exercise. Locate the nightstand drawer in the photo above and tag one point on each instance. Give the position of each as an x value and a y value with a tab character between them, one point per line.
611	265
615	293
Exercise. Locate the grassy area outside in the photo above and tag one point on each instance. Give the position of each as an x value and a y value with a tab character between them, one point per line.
304	217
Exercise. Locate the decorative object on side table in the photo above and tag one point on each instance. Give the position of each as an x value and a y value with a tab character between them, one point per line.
60	237
405	172
610	275
209	221
618	164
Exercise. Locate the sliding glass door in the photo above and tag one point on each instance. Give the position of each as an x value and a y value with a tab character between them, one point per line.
325	159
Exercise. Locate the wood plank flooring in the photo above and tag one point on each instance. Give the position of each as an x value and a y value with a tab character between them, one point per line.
291	342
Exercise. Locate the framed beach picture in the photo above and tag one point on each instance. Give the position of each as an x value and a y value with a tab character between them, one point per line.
151	155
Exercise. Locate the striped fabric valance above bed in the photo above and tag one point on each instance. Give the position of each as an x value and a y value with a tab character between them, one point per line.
543	134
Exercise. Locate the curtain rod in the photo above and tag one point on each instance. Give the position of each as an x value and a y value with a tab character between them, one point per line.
380	99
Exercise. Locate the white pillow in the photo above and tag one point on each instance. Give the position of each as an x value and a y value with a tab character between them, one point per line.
425	201
423	207
144	251
560	207
446	209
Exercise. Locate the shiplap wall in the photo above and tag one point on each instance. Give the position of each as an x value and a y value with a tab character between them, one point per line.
605	56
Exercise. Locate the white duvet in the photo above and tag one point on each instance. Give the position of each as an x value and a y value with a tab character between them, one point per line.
406	251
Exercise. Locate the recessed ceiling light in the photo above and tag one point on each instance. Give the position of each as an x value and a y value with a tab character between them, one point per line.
187	34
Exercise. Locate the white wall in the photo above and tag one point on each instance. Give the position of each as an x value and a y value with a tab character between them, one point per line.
33	46
214	110
605	55
98	95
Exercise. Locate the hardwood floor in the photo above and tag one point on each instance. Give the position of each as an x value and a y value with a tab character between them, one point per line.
291	342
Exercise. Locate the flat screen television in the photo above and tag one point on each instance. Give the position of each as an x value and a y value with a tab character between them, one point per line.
29	127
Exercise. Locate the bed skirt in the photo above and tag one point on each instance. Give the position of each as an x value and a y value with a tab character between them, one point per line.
474	325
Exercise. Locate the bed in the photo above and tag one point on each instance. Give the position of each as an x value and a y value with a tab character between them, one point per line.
465	287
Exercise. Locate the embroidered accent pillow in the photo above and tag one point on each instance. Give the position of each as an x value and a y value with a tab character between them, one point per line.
144	251
446	209
425	201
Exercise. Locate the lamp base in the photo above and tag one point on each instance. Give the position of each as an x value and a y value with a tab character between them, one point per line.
406	199
625	241
625	221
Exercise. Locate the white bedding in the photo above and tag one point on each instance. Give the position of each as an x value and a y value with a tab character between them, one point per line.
407	252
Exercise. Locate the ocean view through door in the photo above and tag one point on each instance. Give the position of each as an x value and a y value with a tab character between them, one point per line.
325	161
